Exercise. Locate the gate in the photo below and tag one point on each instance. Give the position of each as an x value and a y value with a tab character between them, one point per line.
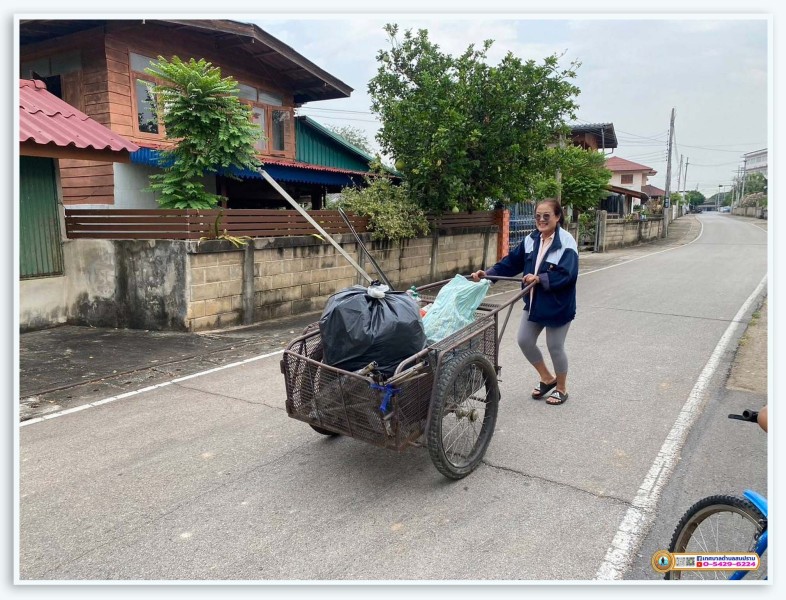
40	251
522	222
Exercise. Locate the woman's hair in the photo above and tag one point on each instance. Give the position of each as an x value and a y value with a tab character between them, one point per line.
557	209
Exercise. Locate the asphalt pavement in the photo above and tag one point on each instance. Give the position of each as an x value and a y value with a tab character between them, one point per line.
67	366
206	478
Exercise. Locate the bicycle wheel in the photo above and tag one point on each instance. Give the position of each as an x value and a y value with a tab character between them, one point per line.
463	415
718	524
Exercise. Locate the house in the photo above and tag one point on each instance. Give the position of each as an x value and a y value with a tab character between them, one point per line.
755	162
52	132
98	66
655	193
594	136
627	183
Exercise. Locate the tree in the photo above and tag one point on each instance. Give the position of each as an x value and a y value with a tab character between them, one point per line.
211	128
355	136
391	211
584	176
695	197
462	131
755	183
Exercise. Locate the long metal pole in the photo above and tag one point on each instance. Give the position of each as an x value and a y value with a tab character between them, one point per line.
316	225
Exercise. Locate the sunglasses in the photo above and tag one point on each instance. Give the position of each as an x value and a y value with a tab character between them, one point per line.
543	218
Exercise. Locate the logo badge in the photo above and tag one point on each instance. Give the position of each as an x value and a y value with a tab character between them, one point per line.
662	561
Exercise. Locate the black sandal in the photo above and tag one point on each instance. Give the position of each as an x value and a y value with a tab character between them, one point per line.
559	398
543	389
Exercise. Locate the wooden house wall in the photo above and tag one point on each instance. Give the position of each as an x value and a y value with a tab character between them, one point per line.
83	181
104	90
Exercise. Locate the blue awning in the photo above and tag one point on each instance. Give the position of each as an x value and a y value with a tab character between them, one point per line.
153	158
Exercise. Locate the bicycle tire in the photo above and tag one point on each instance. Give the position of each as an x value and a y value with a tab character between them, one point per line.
466	387
713	508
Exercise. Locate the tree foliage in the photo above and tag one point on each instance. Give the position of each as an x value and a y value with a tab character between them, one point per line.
355	136
694	197
391	211
211	128
755	183
583	180
462	131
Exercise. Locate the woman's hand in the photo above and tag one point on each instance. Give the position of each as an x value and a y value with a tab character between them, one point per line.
478	275
530	278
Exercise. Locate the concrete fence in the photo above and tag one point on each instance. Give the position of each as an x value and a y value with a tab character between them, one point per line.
747	211
191	286
615	233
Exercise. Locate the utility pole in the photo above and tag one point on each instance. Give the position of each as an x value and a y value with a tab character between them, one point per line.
679	176
685	175
667	200
744	176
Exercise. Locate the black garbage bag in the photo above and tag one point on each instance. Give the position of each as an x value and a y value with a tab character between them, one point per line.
357	329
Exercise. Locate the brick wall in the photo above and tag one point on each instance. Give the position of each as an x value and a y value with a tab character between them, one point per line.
297	275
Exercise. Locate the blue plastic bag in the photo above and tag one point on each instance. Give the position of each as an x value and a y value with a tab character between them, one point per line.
454	307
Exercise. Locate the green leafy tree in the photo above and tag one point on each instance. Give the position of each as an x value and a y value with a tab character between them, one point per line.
391	211
755	183
211	128
355	136
695	197
584	176
462	131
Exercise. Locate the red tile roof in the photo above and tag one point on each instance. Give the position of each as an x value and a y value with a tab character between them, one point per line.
615	163
46	119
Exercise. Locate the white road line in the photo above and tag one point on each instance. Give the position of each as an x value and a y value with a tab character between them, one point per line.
145	389
638	519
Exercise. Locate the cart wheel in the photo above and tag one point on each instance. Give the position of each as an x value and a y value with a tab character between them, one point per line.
464	414
323	431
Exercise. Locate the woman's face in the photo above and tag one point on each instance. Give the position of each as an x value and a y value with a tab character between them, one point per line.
545	219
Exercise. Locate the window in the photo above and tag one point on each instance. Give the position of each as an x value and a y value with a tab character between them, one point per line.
60	64
280	129
146	107
626	179
148	115
274	125
258	117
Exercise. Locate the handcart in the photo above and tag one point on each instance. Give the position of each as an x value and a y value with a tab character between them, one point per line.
446	396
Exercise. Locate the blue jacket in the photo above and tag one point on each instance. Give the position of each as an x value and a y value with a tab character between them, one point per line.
554	302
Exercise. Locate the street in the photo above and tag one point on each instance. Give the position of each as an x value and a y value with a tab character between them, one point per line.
208	479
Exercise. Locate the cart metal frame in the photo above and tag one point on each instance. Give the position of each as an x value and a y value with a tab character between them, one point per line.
455	380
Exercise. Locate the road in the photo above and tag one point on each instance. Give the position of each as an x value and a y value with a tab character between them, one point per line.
209	479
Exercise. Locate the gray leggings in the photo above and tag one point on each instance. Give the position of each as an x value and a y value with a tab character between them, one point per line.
555	341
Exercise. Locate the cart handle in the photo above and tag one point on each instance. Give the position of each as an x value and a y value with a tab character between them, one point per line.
489	277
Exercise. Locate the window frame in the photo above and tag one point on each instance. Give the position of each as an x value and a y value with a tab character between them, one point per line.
623	177
268	109
137	76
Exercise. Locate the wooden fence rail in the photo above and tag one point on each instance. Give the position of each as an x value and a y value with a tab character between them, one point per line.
193	225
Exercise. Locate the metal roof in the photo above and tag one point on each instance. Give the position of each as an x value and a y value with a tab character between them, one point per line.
605	131
627	192
281	170
46	119
651	190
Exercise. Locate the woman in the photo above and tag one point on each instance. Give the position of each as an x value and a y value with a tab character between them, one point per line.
549	257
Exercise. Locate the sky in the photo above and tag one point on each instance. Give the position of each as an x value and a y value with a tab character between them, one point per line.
713	70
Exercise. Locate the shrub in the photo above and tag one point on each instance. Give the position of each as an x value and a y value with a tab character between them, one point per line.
392	213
